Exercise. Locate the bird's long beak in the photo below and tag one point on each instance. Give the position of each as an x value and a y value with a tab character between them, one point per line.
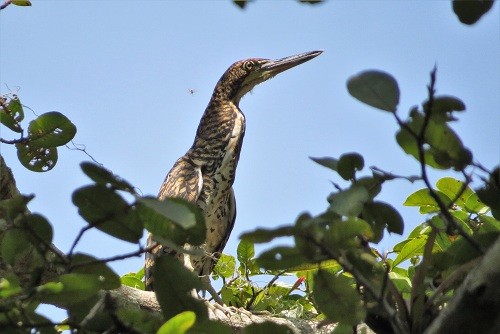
269	68
273	67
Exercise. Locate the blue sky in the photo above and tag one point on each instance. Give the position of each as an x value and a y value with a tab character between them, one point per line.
122	71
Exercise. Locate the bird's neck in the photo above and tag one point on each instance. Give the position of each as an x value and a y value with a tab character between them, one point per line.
220	131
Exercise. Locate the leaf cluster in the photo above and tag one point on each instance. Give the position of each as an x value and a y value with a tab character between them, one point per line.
37	149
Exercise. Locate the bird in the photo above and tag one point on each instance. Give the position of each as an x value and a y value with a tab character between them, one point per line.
206	173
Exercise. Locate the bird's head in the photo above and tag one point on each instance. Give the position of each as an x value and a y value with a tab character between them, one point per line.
244	75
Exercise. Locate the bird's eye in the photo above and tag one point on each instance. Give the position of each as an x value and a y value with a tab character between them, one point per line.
248	65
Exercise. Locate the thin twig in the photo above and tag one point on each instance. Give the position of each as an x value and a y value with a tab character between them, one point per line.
5	4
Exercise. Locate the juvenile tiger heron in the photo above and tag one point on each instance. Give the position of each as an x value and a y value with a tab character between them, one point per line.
205	174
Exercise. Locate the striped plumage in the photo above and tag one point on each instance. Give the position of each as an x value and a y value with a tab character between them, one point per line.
206	173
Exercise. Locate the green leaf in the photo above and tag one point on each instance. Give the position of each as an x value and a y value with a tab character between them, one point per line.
102	208
342	328
140	320
443	106
469	12
444	148
375	88
383	214
349	202
490	193
261	235
36	159
70	289
412	248
181	213
132	281
245	251
461	251
12	115
9	286
372	184
21	2
337	298
348	164
452	188
101	175
174	292
15	246
178	324
327	162
210	327
225	266
39	232
266	327
89	265
51	129
281	258
343	234
15	206
423	199
330	265
401	280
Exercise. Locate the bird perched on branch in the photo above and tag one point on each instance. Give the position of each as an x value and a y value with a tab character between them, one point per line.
206	173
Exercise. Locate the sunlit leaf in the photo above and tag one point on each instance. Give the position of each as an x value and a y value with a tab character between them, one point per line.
21	2
245	251
178	324
132	281
452	188
423	199
375	88
412	248
225	266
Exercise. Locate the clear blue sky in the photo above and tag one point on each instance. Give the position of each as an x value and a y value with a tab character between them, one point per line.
122	71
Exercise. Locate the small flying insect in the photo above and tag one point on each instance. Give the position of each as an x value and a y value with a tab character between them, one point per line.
191	91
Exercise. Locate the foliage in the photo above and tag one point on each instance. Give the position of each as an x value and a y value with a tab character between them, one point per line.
340	275
36	151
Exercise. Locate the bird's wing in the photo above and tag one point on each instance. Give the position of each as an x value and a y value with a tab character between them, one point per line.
183	181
